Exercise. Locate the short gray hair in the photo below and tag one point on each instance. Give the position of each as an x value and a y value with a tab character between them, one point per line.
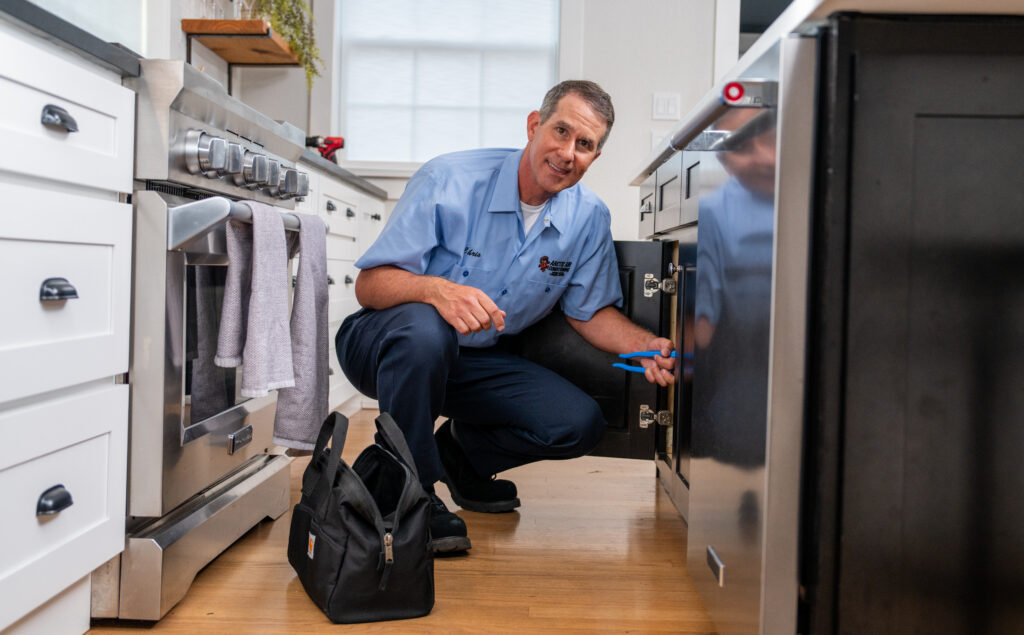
590	92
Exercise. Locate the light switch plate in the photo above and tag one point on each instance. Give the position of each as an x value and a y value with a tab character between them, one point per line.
665	106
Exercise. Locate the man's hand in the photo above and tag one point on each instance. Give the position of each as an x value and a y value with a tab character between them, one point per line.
468	309
658	369
610	330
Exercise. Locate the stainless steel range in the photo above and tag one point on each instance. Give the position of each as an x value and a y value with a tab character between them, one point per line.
202	468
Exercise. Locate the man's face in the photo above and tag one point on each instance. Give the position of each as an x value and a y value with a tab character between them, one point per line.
560	150
753	163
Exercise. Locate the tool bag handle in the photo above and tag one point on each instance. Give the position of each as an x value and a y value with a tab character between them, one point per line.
394	440
335	426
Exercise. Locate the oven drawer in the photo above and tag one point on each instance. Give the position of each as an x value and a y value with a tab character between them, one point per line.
79	442
37	84
87	242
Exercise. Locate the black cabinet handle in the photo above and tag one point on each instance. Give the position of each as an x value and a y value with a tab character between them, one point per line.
375	216
57	289
349	280
349	213
57	117
331	206
330	280
53	501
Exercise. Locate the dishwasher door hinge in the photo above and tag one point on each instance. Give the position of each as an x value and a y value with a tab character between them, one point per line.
652	285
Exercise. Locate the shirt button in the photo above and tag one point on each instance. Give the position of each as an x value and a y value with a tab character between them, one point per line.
546	289
504	291
465	273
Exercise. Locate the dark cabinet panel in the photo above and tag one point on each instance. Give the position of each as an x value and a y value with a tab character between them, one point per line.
553	344
917	362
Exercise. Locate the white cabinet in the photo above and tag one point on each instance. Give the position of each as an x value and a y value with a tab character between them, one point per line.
354	219
65	253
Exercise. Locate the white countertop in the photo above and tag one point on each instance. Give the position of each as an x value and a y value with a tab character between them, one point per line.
802	16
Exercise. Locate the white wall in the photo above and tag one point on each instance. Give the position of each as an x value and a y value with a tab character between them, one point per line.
634	49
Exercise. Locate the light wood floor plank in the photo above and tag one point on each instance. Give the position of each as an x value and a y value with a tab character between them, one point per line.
596	547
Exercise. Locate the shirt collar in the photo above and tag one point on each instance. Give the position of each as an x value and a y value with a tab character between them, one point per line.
506	194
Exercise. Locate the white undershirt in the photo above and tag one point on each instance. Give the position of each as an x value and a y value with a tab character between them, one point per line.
530	214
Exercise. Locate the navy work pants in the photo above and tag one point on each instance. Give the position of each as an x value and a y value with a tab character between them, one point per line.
507	411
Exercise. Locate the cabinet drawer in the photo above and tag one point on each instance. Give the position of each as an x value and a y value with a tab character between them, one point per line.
50	344
340	387
341	214
342	247
98	154
78	441
337	270
340	308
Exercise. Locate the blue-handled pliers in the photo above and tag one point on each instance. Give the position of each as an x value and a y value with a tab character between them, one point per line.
640	369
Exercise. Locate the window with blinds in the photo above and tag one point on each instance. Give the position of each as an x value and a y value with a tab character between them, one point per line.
420	78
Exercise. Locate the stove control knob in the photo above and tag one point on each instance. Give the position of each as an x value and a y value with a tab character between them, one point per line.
233	159
289	184
204	153
273	176
303	190
254	171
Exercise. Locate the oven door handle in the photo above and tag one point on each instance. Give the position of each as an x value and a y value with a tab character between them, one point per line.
187	222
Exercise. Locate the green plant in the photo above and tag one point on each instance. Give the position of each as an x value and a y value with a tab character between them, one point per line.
292	20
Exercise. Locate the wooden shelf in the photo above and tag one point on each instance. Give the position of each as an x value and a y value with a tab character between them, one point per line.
249	42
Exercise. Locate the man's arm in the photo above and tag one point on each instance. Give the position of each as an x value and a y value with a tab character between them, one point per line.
610	330
468	309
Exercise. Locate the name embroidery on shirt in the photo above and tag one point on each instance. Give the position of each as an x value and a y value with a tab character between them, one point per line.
470	252
554	267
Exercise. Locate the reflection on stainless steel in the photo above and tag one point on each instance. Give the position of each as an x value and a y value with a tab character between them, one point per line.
748	358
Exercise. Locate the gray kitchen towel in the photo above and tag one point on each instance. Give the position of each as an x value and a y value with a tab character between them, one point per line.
235	306
302	409
267	351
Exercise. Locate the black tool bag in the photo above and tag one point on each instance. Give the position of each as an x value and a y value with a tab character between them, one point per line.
360	535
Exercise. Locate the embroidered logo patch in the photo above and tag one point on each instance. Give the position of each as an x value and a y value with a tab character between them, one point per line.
471	252
555	267
310	545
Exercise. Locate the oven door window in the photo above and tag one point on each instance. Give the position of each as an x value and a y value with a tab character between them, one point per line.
209	389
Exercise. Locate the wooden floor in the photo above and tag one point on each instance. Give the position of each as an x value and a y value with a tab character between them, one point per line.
596	547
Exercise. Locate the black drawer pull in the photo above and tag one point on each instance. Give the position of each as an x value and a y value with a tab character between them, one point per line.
331	206
57	289
348	279
54	501
349	213
330	280
57	117
375	216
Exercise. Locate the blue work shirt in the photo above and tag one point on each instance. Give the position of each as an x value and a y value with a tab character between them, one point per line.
460	219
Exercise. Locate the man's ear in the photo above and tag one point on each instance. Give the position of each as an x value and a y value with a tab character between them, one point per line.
532	121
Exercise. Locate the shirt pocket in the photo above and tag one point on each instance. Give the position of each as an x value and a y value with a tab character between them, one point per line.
480	277
553	284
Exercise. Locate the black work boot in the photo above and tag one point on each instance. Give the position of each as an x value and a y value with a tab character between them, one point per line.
470	490
447	531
